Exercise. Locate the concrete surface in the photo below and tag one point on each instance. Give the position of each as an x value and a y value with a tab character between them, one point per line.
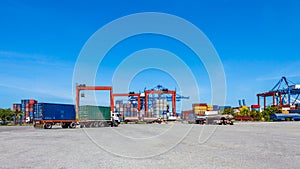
244	145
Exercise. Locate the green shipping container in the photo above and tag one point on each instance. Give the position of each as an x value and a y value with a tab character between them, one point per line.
94	113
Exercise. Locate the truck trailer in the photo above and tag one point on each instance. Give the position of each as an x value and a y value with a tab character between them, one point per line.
49	114
285	117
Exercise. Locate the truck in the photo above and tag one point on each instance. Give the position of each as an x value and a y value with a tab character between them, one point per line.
285	117
224	119
97	116
49	114
210	119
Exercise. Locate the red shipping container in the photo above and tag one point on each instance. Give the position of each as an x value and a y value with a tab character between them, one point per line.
199	104
32	101
185	114
255	106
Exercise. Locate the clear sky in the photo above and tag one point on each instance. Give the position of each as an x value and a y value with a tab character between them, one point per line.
257	42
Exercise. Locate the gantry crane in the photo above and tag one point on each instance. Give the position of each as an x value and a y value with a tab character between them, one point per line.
284	93
160	90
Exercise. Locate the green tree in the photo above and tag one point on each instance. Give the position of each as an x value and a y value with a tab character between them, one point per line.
6	114
255	114
268	111
244	112
228	111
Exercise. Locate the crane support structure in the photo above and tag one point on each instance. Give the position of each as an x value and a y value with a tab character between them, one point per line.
284	93
84	87
130	95
164	91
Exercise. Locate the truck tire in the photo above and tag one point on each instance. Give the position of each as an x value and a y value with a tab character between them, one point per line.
102	124
72	125
48	126
64	125
115	123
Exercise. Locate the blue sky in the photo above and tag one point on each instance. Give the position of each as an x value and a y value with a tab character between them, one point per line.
257	42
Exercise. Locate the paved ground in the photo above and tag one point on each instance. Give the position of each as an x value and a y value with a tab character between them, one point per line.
244	145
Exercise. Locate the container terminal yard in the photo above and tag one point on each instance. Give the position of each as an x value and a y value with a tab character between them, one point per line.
144	129
149	84
158	105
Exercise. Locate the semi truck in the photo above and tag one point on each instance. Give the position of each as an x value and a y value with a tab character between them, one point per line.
49	114
285	117
211	119
224	119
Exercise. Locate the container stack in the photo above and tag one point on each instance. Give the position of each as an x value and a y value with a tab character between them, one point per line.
119	107
216	108
224	107
129	109
185	114
209	107
200	108
159	107
29	108
18	108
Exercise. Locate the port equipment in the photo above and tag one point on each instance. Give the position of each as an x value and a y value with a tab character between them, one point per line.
178	98
160	90
284	93
84	87
131	94
134	96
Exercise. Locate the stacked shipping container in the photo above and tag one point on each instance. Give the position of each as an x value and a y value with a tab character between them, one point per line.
127	109
160	107
199	108
18	107
185	114
28	107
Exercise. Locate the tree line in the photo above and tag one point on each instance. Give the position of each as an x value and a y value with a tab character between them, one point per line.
254	114
7	115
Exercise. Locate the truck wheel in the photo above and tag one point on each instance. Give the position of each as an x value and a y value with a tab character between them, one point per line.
72	125
48	126
115	123
101	124
64	125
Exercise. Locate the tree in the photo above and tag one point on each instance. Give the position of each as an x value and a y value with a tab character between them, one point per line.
255	115
6	115
268	111
228	111
244	112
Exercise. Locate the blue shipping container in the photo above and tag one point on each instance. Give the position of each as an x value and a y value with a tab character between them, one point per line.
51	111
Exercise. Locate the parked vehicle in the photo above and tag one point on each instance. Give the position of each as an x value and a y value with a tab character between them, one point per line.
49	114
285	117
97	116
225	119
